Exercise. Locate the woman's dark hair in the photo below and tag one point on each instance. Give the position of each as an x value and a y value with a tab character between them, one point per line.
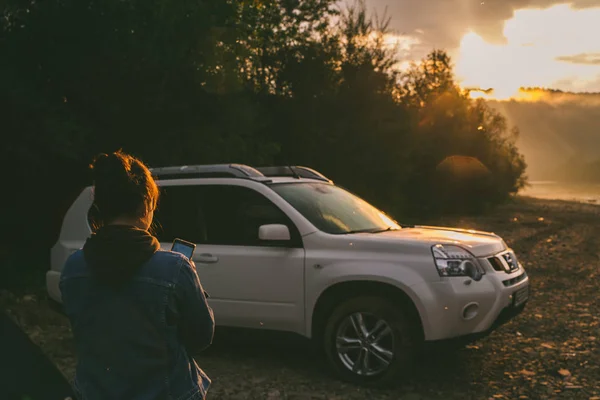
123	186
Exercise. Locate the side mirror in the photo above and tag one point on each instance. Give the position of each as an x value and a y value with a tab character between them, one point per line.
274	232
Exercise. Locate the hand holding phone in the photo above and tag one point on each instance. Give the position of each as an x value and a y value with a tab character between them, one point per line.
183	247
187	249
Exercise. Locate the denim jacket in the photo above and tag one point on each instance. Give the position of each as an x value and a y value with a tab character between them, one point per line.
136	342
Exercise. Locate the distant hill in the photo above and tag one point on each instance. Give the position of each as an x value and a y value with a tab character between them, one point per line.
560	132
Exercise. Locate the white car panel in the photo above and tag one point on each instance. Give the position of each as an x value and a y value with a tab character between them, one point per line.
278	287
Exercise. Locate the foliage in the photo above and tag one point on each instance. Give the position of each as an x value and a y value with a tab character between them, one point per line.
251	81
448	123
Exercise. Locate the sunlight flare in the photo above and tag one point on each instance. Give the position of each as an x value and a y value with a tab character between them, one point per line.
553	47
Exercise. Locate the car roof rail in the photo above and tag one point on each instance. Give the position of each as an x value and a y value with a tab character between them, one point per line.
295	171
206	171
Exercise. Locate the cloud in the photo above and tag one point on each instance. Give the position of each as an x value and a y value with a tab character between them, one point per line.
536	42
580	85
585	4
444	22
503	44
582	58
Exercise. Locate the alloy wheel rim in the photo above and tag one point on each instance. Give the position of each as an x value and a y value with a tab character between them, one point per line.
365	344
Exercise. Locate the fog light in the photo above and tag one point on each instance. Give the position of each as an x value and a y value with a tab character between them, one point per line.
472	271
470	311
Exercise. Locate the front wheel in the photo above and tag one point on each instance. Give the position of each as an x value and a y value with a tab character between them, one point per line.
368	341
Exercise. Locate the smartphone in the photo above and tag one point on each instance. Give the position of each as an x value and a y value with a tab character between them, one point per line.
183	247
187	249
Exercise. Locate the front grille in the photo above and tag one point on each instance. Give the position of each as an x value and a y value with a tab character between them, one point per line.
515	280
506	262
496	264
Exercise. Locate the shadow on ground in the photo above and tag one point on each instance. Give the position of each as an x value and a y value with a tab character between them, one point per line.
300	355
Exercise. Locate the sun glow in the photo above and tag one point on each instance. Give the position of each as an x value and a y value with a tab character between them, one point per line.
555	47
399	43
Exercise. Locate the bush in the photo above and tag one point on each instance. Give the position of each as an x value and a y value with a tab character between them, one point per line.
258	82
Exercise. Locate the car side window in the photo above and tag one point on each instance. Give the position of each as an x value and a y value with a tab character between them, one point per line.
180	215
93	218
235	213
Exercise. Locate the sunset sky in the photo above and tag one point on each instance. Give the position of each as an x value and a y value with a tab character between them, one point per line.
504	44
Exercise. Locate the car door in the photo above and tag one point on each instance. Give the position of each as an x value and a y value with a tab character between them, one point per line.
251	283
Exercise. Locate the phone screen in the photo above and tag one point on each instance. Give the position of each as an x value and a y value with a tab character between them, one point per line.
187	249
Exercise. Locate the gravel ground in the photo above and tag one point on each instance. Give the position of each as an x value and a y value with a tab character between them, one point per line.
548	352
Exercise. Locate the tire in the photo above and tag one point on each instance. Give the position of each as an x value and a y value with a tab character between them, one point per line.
388	351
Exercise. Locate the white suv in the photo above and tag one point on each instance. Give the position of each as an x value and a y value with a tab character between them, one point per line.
283	248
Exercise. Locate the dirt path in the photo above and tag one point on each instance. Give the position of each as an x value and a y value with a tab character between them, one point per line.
549	352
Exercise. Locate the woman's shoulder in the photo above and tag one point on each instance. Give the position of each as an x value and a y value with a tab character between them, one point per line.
75	265
170	257
166	265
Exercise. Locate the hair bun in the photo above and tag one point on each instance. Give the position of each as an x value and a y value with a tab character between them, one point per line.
108	167
122	186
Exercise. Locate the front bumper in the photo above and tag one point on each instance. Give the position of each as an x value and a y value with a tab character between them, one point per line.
505	316
459	307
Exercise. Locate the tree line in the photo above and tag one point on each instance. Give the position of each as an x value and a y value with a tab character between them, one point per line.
559	133
291	82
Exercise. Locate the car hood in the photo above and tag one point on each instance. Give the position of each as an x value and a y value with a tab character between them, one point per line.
480	244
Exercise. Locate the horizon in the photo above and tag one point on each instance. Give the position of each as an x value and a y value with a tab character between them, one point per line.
488	93
500	45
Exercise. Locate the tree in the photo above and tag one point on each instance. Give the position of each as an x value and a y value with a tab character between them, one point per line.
447	123
252	81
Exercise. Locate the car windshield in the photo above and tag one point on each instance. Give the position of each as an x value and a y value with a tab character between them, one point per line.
334	210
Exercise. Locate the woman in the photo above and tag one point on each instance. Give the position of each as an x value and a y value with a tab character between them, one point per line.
137	313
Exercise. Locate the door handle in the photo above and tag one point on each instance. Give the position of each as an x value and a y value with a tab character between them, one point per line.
206	259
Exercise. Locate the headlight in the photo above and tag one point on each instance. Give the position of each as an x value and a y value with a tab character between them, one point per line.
455	261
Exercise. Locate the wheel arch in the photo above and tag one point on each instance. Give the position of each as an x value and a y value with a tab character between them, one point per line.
339	292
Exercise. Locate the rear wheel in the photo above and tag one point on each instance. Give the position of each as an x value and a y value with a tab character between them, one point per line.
368	341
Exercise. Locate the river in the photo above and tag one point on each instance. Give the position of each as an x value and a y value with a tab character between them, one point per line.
585	193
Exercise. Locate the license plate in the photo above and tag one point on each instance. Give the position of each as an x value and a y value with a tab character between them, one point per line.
520	296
